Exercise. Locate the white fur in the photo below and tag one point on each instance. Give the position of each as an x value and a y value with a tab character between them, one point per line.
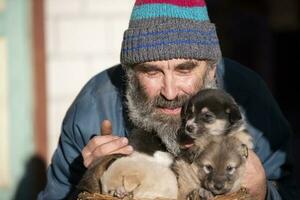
204	109
163	158
217	128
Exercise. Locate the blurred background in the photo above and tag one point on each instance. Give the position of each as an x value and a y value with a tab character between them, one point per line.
50	48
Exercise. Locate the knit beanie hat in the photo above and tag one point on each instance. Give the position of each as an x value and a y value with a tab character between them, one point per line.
167	29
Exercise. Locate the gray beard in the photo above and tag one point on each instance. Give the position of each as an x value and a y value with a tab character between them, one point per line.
143	114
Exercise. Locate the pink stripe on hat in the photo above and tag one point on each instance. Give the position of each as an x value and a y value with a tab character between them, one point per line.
183	3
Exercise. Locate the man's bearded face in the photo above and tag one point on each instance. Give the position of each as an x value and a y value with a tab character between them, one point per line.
157	90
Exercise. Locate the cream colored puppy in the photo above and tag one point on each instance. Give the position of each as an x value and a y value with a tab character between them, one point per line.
145	174
141	176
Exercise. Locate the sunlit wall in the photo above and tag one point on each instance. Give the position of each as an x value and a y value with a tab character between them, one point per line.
83	37
16	101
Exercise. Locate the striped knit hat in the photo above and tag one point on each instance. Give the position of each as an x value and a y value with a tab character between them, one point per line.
167	29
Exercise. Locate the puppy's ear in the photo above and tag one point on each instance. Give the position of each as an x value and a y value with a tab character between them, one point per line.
234	114
90	181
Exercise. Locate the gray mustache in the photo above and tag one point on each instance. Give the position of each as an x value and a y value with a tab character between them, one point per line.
161	102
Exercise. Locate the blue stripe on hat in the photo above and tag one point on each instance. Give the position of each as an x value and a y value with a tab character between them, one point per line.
177	42
205	33
166	10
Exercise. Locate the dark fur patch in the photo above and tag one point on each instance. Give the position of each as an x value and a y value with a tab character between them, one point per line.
204	109
220	103
145	142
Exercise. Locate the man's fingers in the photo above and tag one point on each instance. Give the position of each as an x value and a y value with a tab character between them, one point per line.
106	128
100	146
104	144
95	142
87	161
109	147
124	150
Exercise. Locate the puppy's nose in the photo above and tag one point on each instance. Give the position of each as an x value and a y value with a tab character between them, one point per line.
189	128
219	186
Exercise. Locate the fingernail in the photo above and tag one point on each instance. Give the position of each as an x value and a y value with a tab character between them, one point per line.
130	149
124	140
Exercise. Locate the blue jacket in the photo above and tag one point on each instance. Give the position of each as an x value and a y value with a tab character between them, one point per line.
103	98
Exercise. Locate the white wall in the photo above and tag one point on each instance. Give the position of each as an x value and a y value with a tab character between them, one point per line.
83	37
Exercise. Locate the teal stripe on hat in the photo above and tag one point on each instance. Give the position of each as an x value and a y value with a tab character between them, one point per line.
166	10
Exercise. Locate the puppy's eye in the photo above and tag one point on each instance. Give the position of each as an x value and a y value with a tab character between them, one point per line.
208	117
207	169
230	169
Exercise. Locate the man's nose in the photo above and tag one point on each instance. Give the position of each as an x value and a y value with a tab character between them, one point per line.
169	89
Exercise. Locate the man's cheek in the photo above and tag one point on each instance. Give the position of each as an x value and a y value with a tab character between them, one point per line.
191	86
151	87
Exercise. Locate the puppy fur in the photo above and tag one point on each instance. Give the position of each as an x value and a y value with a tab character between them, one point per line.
187	177
90	181
209	114
216	170
221	164
145	174
210	120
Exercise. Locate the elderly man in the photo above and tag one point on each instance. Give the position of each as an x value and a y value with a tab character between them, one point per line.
169	52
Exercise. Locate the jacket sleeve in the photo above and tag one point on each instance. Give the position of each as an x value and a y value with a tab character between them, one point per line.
66	166
99	99
273	144
272	192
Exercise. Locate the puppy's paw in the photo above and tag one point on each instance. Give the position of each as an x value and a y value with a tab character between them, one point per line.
194	195
120	192
200	194
205	194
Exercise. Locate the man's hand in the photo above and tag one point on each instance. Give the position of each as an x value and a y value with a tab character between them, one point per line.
254	178
105	144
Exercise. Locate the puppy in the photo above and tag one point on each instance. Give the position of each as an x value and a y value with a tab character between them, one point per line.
145	174
207	115
210	118
217	170
221	165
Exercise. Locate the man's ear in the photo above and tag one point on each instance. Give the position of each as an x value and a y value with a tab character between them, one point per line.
212	71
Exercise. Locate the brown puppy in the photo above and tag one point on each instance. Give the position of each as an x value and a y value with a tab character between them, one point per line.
217	170
221	164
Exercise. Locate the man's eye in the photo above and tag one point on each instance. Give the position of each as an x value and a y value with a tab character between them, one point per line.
152	72
184	71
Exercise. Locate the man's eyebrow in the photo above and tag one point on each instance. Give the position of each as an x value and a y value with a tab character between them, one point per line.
187	65
148	67
145	67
